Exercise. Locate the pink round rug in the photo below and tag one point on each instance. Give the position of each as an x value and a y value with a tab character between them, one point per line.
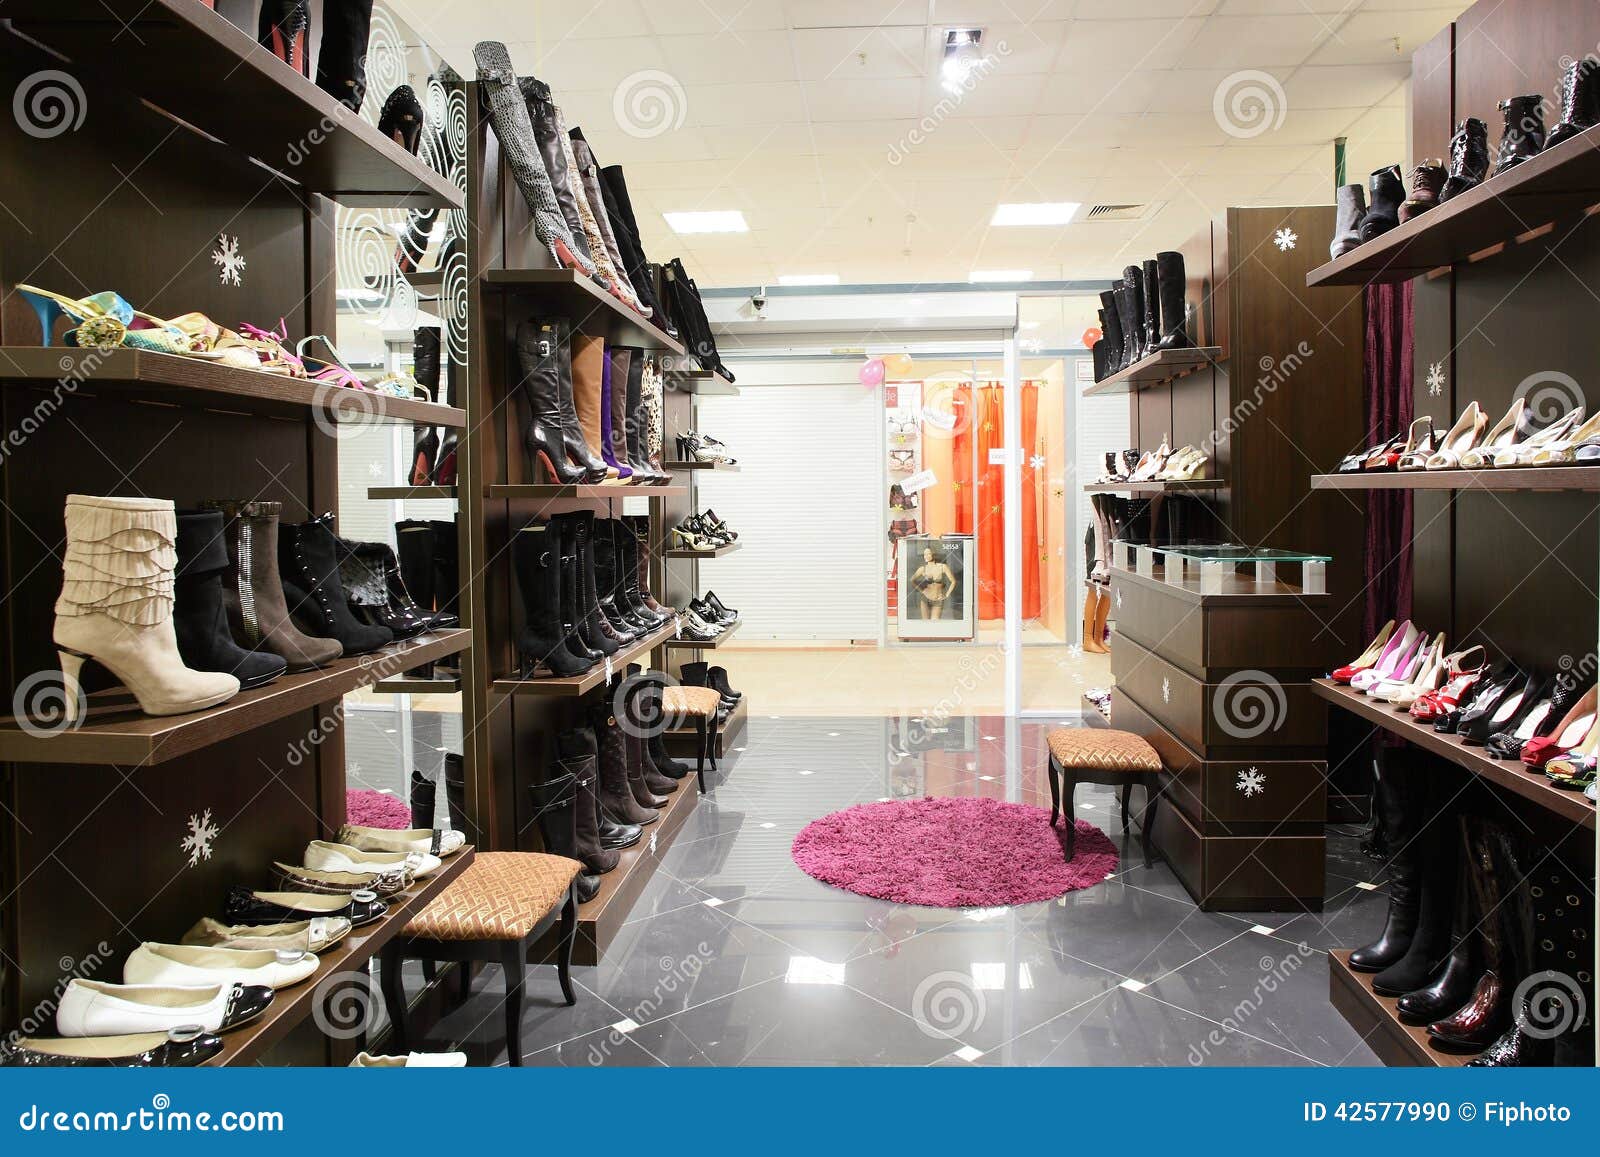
952	852
365	808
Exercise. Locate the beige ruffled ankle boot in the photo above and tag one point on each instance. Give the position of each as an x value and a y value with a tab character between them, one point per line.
116	605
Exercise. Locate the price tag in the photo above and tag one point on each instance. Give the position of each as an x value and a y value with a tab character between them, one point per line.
999	456
921	480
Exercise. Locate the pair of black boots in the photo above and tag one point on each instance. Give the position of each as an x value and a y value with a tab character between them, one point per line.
582	599
430	569
688	313
716	678
433	459
425	796
1485	942
609	782
377	594
1143	313
285	26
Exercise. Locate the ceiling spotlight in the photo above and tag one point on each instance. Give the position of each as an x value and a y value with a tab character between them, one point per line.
710	221
962	52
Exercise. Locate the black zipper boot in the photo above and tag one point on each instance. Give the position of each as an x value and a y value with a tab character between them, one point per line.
1397	800
555	808
1440	870
538	354
342	55
1172	287
1387	194
1133	323
575	756
628	561
592	625
200	610
542	643
1451	985
603	548
571	591
1126	320
455	794
424	799
308	561
1111	332
425	439
1151	322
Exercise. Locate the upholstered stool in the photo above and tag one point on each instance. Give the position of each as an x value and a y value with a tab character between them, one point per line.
699	704
1100	755
495	911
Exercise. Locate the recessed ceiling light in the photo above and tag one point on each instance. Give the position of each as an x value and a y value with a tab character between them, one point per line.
1035	213
708	221
1000	275
808	279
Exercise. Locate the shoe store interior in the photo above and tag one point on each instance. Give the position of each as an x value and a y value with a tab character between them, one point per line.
799	533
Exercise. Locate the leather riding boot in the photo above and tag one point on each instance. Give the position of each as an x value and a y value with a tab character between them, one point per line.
547	132
617	796
424	439
446	569
603	550
572	438
1487	1010
1151	322
555	807
640	524
1111	330
413	545
1451	985
424	800
540	348
1397	800
1171	289
588	358
628	568
455	794
571	590
1123	296
542	643
642	792
576	756
1525	1043
253	591
1133	323
626	229
592	623
342	55
1439	873
609	396
617	412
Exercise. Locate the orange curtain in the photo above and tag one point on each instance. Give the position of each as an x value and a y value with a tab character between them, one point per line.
964	409
990	504
1032	550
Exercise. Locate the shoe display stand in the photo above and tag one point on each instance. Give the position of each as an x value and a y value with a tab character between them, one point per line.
1502	558
129	827
680	569
1212	664
510	723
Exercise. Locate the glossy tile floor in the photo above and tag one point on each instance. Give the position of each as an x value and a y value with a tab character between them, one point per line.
734	957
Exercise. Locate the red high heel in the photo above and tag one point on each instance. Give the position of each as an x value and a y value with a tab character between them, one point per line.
1446	699
1367	658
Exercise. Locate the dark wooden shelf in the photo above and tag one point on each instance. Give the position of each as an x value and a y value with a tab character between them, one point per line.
728	632
115	730
408	493
197	66
1157	369
1545	478
1509	774
720	467
591	309
1375	1018
718	552
575	685
172	379
426	279
1157	487
516	492
290	1006
417	687
1558	183
702	382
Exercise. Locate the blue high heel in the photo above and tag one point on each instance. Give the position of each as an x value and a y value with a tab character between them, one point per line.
49	306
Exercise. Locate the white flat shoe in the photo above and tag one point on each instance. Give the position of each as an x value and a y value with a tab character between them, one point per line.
95	1008
330	857
316	935
434	841
185	964
410	1061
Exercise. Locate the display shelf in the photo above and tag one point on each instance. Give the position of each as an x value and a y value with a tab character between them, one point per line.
172	379
200	68
348	958
716	552
1237	589
589	306
728	632
701	382
115	731
1375	1019
410	493
1543	478
719	467
417	687
572	686
1156	487
539	490
425	279
1157	369
682	741
1557	183
1509	774
1092	715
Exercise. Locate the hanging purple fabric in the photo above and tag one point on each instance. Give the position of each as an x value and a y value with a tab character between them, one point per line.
1390	406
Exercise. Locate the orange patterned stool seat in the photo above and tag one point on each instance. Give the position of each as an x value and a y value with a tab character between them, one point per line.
497	911
1100	755
704	706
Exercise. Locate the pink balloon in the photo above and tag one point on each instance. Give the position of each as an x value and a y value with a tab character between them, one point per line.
1092	336
872	373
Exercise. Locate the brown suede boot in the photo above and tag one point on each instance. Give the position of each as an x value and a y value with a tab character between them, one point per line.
588	366
616	788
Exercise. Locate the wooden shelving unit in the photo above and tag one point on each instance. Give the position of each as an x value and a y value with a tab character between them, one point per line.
1509	774
720	467
702	382
592	309
541	491
573	686
290	1006
409	493
1189	486
677	552
1375	1018
174	380
236	91
728	632
1503	211
417	687
1533	478
1158	369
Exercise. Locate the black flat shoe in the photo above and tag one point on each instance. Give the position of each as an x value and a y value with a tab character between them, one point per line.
244	906
178	1048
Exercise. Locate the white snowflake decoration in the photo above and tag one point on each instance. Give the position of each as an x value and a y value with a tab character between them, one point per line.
202	835
1252	782
1436	379
1074	650
1166	690
1036	462
228	259
1285	239
1119	598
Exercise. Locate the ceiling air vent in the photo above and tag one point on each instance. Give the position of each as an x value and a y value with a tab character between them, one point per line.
1120	212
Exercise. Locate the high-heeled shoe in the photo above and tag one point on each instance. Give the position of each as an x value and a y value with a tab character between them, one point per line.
282	30
1415	456
1576	769
1463	436
1391	458
1367	658
1566	735
1357	462
402	118
1507	432
1429	673
1488	682
1459	676
1524	452
1492	709
1152	463
1562	451
104	321
1529	722
1183	466
1399	652
331	370
274	357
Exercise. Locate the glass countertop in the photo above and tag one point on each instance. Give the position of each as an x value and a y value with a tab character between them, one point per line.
1223	552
